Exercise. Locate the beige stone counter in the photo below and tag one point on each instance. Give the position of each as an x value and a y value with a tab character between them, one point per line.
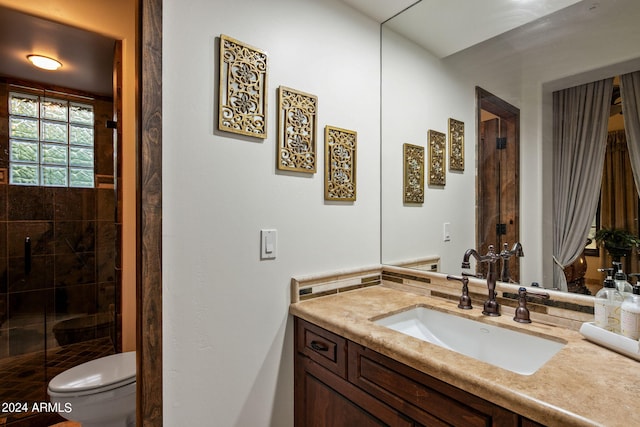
582	385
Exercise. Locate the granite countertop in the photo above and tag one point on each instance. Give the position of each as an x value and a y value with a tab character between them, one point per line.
582	385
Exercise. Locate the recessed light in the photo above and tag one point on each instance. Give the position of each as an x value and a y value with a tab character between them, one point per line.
44	62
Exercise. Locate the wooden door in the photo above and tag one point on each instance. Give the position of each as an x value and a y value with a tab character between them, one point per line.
498	220
488	189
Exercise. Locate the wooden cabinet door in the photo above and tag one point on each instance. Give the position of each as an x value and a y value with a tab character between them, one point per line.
323	396
323	399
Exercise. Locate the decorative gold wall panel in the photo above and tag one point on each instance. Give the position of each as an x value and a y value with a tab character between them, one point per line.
437	166
413	173
456	145
297	129
243	88
339	164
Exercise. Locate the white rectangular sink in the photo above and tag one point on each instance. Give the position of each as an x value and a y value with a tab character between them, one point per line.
516	351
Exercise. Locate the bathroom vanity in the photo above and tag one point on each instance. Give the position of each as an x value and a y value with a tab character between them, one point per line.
341	383
352	370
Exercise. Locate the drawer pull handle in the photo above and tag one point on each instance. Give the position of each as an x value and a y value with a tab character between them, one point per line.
319	346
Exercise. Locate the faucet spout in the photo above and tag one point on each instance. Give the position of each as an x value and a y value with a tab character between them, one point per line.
467	255
491	306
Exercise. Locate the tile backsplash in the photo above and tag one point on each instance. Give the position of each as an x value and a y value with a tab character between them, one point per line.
562	308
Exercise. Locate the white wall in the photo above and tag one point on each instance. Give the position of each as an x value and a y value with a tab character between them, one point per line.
228	344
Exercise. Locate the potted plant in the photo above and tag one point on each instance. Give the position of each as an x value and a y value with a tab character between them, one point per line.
617	241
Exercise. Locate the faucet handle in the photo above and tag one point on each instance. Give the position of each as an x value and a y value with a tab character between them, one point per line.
522	312
465	300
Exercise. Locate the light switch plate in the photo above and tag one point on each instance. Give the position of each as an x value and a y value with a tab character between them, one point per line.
446	232
268	243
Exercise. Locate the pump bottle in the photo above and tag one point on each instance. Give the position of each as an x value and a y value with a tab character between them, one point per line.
630	315
607	304
623	286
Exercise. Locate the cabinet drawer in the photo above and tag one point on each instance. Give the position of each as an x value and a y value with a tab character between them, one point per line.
322	346
422	397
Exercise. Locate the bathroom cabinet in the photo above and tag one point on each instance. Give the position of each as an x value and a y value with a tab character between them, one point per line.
340	383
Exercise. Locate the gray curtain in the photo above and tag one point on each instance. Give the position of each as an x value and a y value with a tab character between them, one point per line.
580	118
630	94
619	196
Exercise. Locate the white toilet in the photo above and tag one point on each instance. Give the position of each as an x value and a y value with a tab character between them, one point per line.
98	393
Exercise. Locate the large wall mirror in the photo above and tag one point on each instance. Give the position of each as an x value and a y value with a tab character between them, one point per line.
423	87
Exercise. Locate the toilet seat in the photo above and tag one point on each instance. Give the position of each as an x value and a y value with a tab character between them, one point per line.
96	376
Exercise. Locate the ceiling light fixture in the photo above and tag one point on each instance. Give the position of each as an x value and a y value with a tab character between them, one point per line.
44	62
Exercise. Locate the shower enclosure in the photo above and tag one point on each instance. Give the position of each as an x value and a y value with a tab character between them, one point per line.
59	241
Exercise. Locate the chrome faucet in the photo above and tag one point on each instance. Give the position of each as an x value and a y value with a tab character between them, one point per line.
491	306
505	255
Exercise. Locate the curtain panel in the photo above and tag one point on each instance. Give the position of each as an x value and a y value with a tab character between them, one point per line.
619	197
630	94
580	118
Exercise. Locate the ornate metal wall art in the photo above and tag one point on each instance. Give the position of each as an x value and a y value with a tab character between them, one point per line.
243	88
413	173
437	166
297	129
340	164
456	145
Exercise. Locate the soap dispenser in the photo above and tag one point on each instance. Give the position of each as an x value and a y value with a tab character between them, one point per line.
623	286
630	315
607	304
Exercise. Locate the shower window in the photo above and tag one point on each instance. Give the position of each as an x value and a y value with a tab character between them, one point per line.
51	141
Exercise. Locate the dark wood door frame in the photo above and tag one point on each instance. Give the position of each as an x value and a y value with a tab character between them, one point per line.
149	215
506	186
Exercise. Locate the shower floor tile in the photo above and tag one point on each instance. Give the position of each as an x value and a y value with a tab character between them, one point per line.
25	379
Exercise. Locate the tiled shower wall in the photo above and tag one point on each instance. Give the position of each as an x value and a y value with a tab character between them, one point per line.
73	235
74	239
